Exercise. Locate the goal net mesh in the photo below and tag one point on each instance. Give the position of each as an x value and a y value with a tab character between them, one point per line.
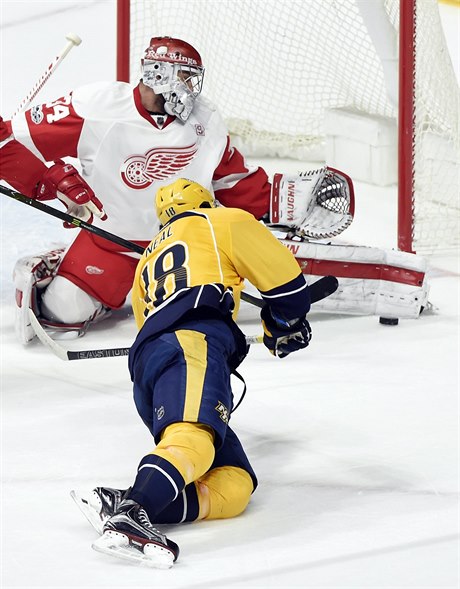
275	68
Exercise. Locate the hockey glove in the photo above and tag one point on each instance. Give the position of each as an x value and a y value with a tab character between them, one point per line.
316	205
282	337
62	181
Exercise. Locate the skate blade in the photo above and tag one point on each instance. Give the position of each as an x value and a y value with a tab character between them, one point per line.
91	514
118	545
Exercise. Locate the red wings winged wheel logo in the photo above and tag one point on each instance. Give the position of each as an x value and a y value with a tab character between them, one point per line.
139	171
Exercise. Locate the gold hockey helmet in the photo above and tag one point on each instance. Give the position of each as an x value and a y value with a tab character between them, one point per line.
182	195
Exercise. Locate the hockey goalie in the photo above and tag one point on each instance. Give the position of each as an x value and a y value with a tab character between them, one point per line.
132	140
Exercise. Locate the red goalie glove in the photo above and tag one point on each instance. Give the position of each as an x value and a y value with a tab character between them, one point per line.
62	181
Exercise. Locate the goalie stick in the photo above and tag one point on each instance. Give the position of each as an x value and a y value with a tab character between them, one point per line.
73	41
65	354
318	290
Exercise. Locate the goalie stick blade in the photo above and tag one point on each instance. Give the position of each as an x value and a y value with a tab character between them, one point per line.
120	546
46	340
65	354
323	287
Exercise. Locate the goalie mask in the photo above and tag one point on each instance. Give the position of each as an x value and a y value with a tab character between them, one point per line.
180	196
173	68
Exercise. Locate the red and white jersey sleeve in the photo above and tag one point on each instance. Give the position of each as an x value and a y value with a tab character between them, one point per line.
18	166
126	156
240	186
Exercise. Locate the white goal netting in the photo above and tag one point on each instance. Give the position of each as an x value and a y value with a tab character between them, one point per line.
275	68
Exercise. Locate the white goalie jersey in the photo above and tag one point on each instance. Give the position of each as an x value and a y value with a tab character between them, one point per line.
127	154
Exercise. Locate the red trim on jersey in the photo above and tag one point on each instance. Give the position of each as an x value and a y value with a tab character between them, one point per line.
55	128
360	270
20	168
145	113
251	192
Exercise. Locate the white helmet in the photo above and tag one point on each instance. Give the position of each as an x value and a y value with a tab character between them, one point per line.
173	68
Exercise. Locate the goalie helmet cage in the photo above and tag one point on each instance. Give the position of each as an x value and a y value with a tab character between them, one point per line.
274	67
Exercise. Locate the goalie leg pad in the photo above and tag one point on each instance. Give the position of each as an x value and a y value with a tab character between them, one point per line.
59	305
372	281
31	275
64	302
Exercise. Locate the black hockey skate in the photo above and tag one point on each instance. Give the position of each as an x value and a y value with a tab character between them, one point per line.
129	534
101	504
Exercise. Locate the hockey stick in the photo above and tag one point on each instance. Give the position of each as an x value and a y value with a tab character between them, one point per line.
73	41
129	245
318	290
65	354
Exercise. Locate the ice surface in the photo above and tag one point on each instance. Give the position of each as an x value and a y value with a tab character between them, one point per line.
355	441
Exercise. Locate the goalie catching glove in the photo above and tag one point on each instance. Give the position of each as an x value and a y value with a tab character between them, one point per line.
63	181
317	204
281	336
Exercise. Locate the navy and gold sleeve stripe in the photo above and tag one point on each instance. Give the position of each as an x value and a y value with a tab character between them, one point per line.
291	299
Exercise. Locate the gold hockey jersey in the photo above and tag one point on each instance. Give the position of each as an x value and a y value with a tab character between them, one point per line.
201	258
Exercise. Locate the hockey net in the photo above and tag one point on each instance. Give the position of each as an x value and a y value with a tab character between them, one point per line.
274	68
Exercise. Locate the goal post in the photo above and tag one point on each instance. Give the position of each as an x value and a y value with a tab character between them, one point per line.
124	40
276	68
406	126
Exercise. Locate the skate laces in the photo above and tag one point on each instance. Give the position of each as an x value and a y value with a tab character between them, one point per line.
144	520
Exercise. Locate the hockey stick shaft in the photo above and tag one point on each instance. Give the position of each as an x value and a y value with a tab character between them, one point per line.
116	352
73	41
36	204
65	354
129	245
